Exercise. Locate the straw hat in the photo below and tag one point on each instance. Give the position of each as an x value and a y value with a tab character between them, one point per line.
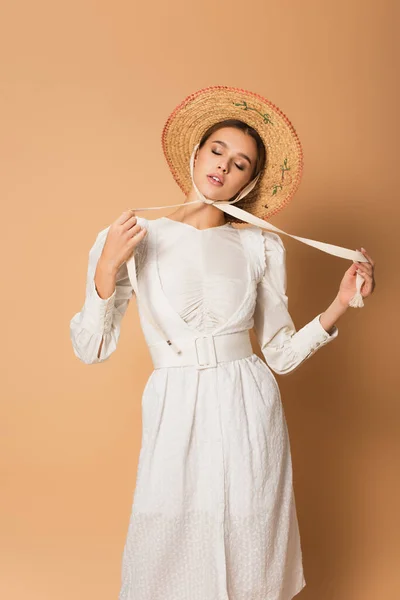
281	175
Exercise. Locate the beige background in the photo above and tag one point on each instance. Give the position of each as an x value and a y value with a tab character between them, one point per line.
85	90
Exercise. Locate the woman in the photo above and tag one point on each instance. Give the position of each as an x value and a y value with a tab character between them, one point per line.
213	514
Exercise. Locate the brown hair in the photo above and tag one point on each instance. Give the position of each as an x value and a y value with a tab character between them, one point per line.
260	162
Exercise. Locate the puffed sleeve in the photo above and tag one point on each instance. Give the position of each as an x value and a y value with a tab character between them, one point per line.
100	318
284	348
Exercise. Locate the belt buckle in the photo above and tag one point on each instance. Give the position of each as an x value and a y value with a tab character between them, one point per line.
212	356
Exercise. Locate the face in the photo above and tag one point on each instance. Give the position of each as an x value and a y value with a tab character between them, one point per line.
231	155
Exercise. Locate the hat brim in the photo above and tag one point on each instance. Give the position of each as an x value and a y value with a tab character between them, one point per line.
188	122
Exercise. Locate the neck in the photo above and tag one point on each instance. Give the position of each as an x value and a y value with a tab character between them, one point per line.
200	215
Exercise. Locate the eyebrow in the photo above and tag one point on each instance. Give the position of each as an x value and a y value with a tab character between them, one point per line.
239	153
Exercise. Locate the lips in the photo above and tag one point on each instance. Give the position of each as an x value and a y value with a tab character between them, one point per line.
213	181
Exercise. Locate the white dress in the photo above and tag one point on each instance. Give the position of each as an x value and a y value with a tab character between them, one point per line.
213	514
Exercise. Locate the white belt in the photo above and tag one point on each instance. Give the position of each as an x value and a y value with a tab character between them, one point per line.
202	351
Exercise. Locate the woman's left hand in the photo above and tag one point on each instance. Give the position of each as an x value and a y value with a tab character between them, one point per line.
347	287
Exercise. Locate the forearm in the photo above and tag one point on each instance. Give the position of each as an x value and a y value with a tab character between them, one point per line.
329	317
105	279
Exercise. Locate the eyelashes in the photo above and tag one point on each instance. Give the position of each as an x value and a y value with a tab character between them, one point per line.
219	154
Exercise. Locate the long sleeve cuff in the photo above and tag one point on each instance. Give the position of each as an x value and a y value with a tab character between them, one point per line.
98	312
289	355
311	337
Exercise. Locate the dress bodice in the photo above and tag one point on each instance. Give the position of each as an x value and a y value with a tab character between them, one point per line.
212	281
207	281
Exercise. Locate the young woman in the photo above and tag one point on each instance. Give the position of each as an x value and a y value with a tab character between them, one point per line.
213	514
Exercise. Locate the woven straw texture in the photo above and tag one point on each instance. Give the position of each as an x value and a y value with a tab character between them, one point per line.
188	122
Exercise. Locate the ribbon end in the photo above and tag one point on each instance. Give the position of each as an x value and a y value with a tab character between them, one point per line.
357	301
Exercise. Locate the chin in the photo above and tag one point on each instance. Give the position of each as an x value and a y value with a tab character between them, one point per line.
218	195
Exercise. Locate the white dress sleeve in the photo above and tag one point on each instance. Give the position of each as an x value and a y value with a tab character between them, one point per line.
284	348
100	318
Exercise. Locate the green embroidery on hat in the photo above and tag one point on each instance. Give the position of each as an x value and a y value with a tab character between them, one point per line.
284	168
266	117
275	188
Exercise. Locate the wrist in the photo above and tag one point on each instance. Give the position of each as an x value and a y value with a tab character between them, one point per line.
107	267
340	305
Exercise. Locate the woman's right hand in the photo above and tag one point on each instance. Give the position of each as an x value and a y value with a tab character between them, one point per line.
122	238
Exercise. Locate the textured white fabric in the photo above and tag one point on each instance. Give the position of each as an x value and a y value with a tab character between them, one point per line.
213	514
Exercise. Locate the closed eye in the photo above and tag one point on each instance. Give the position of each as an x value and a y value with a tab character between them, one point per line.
238	166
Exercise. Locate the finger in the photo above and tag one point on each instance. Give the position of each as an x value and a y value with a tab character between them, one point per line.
367	256
366	289
354	267
135	229
130	223
353	270
139	236
127	214
365	267
365	276
364	263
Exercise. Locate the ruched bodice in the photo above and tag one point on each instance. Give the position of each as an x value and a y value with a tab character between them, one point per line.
207	282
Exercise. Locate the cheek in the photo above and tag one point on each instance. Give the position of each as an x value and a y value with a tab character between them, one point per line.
238	179
201	165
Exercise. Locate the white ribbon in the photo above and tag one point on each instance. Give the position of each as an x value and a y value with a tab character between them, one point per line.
235	211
